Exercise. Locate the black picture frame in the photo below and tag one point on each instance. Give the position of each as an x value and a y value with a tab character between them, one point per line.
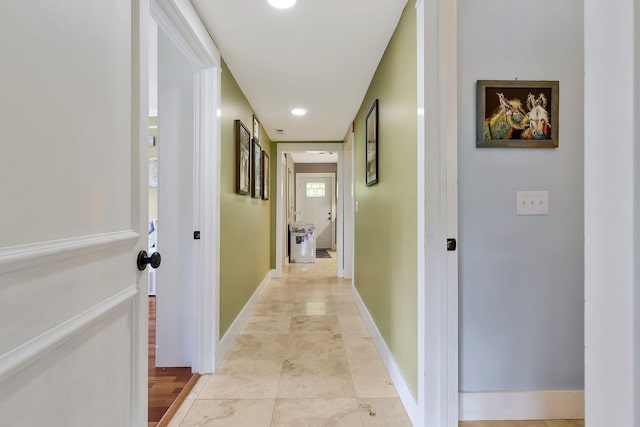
243	158
371	145
265	176
256	171
517	113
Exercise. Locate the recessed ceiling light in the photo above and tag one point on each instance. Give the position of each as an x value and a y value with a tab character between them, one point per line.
298	111
282	4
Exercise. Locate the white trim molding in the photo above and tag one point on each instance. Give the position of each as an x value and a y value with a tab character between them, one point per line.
36	348
181	22
522	405
14	258
225	344
612	212
437	30
404	391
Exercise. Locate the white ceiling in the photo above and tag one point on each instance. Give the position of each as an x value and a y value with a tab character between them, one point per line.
312	157
319	55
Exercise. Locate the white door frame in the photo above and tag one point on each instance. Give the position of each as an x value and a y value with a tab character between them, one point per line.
349	205
331	175
179	20
281	218
437	29
612	213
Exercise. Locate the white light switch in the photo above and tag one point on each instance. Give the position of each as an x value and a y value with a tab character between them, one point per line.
357	206
532	202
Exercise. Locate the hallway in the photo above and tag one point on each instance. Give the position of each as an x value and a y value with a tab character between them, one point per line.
304	358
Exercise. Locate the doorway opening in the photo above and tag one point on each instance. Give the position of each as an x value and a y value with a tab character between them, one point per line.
170	287
316	204
184	161
319	168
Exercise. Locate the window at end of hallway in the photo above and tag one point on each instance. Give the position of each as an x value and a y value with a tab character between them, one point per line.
315	189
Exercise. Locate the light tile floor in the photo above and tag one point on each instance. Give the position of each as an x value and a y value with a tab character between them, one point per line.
304	358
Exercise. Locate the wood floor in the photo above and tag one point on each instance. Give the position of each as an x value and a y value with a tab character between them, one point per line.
165	384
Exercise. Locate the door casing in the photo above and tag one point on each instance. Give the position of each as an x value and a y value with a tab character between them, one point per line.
437	29
281	200
179	20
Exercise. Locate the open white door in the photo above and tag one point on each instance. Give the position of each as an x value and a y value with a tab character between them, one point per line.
315	204
72	311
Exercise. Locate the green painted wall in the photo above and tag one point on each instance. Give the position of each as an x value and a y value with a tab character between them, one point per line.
245	223
385	225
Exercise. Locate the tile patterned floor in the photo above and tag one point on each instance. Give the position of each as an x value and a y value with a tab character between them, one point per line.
304	358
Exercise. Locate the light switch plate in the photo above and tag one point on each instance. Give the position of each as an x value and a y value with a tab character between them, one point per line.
532	203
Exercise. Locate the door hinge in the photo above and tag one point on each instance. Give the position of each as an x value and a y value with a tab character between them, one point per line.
451	244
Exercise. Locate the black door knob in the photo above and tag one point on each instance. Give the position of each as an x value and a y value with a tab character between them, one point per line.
155	259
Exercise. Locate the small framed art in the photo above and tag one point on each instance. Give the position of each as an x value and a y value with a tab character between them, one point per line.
256	128
517	113
256	187
371	136
265	174
243	158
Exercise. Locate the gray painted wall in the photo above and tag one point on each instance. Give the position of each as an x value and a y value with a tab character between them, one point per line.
521	277
316	167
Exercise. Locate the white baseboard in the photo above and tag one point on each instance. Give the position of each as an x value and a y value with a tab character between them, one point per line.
229	337
522	405
403	389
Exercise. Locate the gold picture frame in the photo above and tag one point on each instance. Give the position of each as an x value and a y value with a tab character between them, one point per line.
517	113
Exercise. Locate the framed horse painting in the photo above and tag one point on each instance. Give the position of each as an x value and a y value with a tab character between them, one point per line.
517	113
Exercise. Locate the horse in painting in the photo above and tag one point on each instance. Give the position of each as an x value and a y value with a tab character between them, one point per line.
508	116
539	126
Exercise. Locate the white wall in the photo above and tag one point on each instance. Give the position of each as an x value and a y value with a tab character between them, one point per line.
174	324
611	225
521	277
636	219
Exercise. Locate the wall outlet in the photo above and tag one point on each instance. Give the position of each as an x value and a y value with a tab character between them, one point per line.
532	203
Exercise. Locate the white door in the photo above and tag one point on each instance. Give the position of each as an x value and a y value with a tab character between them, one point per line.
72	313
314	204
